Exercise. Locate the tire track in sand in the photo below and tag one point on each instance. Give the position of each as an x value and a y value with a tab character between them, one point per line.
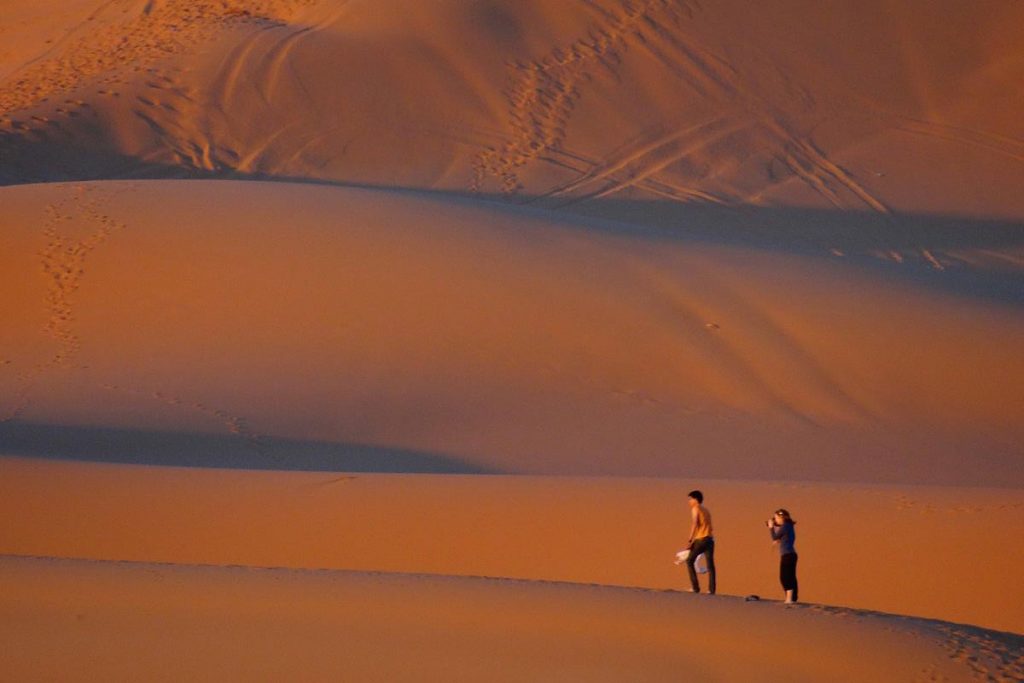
643	158
542	95
715	80
767	131
814	167
999	144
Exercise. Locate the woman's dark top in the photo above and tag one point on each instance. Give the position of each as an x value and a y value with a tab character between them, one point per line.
786	536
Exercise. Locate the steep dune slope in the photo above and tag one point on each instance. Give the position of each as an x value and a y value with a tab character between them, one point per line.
886	107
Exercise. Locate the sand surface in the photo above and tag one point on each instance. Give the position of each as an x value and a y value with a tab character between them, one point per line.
299	326
174	622
898	549
884	107
481	288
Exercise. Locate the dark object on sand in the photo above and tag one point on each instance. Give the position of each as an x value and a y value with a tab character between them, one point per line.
752	598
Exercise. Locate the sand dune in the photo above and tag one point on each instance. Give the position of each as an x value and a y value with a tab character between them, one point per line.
166	622
878	106
607	530
370	247
511	339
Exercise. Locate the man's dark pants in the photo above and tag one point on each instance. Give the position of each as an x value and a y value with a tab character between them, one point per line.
705	546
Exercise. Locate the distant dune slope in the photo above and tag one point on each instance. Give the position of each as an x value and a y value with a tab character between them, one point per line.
884	106
620	531
474	336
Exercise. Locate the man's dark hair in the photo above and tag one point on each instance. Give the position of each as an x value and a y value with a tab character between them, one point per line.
696	495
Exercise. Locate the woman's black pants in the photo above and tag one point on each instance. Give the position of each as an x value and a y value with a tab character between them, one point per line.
787	573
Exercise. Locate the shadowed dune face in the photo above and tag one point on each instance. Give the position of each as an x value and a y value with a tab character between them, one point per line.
503	338
878	106
233	451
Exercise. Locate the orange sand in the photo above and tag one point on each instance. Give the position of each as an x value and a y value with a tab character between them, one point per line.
642	244
887	107
899	549
163	622
287	318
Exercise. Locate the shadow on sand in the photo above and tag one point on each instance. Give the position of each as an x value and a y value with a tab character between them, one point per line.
183	449
903	247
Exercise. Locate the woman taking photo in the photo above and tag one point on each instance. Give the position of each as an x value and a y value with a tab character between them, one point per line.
781	528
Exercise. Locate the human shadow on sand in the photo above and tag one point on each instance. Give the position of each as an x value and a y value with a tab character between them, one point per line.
189	449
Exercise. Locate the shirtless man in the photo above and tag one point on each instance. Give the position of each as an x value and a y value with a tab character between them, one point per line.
701	541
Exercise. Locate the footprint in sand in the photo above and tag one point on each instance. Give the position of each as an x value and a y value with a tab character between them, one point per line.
235	425
62	262
134	42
